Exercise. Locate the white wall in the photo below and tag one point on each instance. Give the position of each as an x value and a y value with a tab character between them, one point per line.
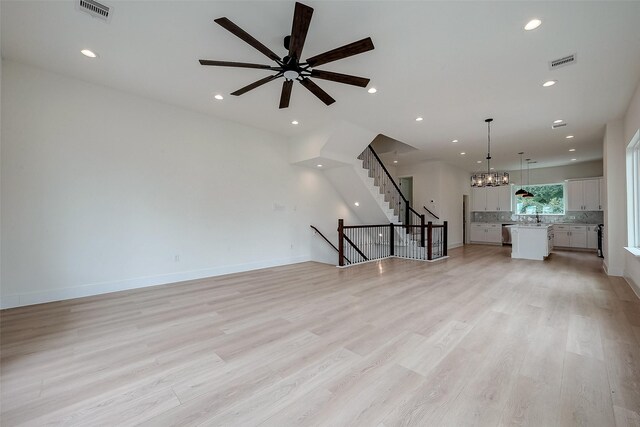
102	190
631	126
617	136
445	185
557	174
615	215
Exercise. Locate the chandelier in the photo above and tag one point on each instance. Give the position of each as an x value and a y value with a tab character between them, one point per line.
489	179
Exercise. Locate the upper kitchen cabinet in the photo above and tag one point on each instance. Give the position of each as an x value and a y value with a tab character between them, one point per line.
479	199
491	199
584	195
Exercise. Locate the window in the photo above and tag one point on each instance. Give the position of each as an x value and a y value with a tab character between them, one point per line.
633	193
548	200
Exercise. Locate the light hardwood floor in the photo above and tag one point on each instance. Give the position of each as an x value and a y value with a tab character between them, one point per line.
478	339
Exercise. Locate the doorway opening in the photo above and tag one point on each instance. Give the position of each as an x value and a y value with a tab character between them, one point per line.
465	219
406	187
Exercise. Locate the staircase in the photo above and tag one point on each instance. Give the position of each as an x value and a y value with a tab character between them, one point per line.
396	228
405	235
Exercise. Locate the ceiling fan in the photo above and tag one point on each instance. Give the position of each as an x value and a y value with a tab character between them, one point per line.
291	67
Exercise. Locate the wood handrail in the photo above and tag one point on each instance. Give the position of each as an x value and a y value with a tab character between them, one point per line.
431	213
388	174
328	241
369	226
355	247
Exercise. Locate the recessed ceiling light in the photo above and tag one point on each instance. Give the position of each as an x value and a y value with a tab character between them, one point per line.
380	234
549	83
479	161
454	141
395	161
573	160
572	149
88	53
533	24
419	119
558	121
219	97
357	204
569	136
493	169
463	153
295	122
372	90
319	166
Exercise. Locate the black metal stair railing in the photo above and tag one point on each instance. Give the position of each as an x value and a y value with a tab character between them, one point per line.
361	243
329	242
388	187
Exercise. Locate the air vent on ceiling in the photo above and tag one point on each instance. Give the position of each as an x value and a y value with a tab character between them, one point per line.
561	62
559	125
95	9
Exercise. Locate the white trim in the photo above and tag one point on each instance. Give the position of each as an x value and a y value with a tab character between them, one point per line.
634	286
392	256
634	251
19	300
633	191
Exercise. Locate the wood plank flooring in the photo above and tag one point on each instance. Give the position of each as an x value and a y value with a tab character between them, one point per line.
477	339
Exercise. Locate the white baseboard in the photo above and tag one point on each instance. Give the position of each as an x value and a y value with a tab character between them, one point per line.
455	245
634	286
19	300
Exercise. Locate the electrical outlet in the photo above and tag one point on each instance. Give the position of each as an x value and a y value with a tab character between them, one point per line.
176	258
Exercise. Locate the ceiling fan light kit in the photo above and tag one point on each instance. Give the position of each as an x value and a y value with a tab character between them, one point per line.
291	67
490	179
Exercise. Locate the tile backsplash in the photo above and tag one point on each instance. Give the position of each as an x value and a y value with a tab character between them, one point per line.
578	217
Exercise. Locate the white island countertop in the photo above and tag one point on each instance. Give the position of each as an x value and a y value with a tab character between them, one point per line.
541	226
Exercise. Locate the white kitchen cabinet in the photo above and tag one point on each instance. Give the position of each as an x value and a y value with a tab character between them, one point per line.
578	236
602	189
583	195
531	241
575	195
494	233
591	194
592	237
506	198
486	233
491	199
477	233
561	238
570	236
479	199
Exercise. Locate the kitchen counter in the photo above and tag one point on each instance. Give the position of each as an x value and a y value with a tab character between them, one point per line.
531	241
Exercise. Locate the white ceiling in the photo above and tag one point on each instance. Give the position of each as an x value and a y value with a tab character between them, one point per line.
453	63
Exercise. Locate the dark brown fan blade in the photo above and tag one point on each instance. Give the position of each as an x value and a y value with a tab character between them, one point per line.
254	85
345	51
340	78
287	85
315	89
301	20
242	34
233	64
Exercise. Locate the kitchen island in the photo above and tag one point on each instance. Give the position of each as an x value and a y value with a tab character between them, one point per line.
531	241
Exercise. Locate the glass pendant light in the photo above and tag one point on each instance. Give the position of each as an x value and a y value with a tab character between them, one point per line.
521	191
